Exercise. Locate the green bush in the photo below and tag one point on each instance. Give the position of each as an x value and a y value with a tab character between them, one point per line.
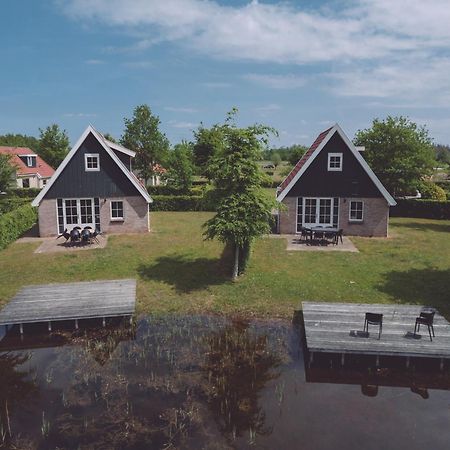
24	193
171	190
14	223
432	191
425	209
8	204
180	203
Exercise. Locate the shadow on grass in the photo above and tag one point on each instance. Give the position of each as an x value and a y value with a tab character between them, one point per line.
186	273
429	287
437	227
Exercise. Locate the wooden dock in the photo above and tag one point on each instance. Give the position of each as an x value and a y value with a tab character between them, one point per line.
338	328
70	301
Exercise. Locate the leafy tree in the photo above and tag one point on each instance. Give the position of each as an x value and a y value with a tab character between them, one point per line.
110	138
142	135
20	140
7	172
180	166
296	152
442	153
207	140
243	209
54	145
399	151
432	191
276	159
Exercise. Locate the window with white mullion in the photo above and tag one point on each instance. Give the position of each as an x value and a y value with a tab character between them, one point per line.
356	211
334	162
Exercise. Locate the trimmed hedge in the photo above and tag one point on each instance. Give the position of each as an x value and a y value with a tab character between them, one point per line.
13	224
24	193
180	203
424	209
8	204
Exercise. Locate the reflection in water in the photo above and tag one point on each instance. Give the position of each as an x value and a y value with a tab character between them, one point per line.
208	382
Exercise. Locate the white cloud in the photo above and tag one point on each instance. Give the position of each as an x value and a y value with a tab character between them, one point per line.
377	48
177	124
216	84
276	81
181	109
79	115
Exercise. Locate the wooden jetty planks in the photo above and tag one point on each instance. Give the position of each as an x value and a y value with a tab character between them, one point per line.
328	326
80	300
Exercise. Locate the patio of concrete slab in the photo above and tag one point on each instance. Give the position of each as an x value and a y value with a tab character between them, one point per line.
295	244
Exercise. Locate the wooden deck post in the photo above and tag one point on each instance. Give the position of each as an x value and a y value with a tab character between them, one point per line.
21	328
76	324
131	320
377	362
104	322
49	326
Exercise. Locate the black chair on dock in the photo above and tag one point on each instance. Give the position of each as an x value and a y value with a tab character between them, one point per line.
425	318
338	236
374	319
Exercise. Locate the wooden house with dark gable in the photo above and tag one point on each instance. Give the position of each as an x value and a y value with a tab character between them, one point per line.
333	186
94	186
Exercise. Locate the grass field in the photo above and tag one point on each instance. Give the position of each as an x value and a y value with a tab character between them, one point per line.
179	272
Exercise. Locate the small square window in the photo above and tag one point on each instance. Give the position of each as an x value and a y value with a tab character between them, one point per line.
356	212
31	161
335	162
117	210
25	183
92	162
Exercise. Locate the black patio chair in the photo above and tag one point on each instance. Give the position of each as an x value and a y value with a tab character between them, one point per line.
305	234
338	236
94	236
64	234
86	236
330	236
425	318
75	235
374	319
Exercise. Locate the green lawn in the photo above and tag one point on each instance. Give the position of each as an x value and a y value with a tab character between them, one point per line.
177	271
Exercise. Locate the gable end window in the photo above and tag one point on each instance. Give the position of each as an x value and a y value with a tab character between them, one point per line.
117	210
92	162
31	161
356	211
335	162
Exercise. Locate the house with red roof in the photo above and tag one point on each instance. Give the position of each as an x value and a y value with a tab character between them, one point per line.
31	170
95	187
333	186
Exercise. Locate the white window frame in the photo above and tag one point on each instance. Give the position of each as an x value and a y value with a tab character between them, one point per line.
30	160
317	222
91	155
116	219
350	218
334	155
78	207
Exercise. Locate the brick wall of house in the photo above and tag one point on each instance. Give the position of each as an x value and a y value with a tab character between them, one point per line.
47	215
375	218
136	217
288	216
375	223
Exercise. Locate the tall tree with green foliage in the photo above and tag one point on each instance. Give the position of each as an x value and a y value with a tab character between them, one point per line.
243	209
180	168
399	151
53	145
296	152
7	172
143	136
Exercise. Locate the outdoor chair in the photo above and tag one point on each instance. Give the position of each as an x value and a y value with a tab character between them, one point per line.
94	237
373	319
305	234
75	235
338	236
425	318
330	235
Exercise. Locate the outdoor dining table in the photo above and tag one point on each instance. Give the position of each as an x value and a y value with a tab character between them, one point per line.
319	232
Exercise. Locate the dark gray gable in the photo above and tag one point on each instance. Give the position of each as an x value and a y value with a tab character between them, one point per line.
75	182
352	181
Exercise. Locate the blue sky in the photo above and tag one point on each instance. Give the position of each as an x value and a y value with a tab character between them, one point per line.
297	66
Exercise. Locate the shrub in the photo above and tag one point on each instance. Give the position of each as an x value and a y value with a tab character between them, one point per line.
24	193
425	209
14	223
180	203
432	191
8	204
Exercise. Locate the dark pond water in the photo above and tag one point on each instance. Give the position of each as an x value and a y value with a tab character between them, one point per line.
209	383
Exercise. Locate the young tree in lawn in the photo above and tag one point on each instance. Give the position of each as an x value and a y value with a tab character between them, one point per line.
143	136
243	209
276	159
180	167
7	172
399	151
53	145
207	140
